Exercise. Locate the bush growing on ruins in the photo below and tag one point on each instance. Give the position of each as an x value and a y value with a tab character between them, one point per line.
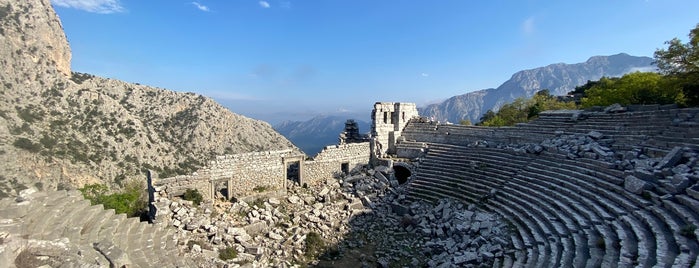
131	200
314	245
261	188
193	195
228	253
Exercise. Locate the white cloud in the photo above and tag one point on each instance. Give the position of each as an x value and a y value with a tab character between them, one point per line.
94	6
264	4
528	26
424	74
201	7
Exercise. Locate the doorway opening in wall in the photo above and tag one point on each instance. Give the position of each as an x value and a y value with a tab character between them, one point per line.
222	188
293	171
345	168
401	173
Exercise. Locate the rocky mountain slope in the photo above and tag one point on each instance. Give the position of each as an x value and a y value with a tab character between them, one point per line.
63	129
314	134
558	78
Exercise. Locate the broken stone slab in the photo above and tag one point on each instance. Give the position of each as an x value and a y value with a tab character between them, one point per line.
399	209
601	151
644	174
679	182
693	191
383	169
615	108
671	158
115	256
255	228
294	199
636	185
274	201
381	177
275	236
595	135
467	257
324	191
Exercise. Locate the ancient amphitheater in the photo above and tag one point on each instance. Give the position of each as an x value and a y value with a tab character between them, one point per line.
613	188
582	189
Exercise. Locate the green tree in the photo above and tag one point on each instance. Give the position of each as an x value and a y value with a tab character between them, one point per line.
679	58
523	110
680	62
634	88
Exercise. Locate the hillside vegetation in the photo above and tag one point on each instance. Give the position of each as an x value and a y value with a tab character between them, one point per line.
62	129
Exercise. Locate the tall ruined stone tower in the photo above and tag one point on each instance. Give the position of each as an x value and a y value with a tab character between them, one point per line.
388	121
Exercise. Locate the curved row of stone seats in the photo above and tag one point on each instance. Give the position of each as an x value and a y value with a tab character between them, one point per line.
565	212
55	215
657	130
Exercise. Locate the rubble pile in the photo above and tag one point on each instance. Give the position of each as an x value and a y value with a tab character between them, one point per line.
676	173
360	217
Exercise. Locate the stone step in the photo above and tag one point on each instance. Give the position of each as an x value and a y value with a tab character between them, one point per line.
687	214
688	248
523	228
76	231
536	225
91	227
38	223
109	227
666	249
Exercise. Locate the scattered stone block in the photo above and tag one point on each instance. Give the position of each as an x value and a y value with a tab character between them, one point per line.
636	185
595	135
671	158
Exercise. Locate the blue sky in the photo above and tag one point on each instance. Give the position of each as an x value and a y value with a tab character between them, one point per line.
281	60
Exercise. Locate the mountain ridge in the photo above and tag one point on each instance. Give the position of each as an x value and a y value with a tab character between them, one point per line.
558	78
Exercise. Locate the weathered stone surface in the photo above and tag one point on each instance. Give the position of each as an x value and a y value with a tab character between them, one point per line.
115	256
636	185
671	158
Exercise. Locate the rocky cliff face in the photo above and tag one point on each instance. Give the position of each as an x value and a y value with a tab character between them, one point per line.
63	129
558	78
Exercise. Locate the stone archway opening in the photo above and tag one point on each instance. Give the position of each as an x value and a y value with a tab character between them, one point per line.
401	173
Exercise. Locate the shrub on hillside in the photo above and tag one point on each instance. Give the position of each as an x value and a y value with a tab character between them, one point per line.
228	253
314	245
193	195
131	200
26	144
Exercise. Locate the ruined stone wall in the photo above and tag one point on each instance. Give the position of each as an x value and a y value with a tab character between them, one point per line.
246	171
250	170
176	186
329	161
388	120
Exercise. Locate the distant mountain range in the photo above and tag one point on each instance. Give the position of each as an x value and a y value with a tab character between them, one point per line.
312	135
558	78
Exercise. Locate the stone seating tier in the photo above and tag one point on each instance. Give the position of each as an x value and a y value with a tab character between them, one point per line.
57	215
564	212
